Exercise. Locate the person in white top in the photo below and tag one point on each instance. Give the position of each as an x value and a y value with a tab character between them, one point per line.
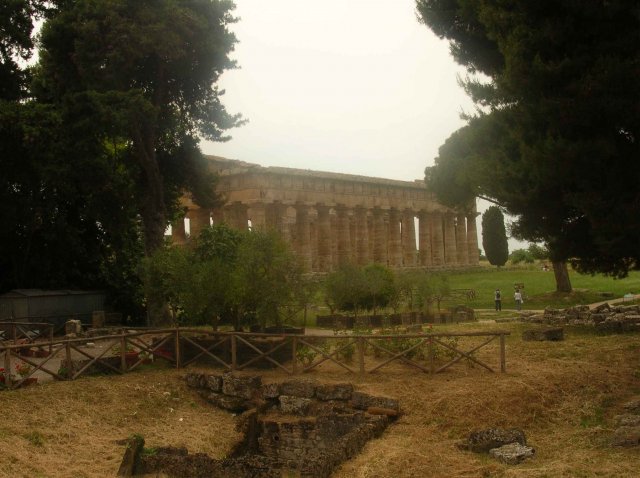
518	298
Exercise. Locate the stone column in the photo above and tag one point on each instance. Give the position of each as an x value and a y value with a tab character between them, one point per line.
313	233
217	216
333	220
362	236
409	257
303	236
372	235
353	251
198	220
380	255
275	220
424	237
343	233
450	252
241	216
395	246
324	238
258	216
461	240
437	240
472	240
178	233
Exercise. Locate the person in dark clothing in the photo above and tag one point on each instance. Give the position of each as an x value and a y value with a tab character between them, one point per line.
498	299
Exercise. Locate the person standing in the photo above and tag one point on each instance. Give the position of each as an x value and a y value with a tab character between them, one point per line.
498	298
518	298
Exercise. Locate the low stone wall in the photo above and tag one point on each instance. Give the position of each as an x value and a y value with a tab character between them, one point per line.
605	317
455	314
299	427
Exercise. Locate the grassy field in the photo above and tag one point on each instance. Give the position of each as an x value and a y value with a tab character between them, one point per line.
539	287
539	291
564	395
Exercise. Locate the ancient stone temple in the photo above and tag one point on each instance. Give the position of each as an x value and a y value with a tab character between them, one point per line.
333	218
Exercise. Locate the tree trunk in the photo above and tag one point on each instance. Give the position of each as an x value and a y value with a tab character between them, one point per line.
563	283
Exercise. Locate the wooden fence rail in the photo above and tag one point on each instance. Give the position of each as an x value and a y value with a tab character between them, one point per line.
232	351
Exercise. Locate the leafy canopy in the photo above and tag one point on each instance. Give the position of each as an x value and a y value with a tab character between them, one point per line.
555	139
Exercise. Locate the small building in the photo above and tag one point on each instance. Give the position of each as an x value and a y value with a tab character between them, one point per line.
53	306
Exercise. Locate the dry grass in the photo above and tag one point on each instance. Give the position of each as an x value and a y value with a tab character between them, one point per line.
563	395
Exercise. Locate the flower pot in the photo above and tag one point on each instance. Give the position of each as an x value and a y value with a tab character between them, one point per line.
131	357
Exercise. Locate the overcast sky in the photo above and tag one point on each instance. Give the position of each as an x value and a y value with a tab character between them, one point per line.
348	86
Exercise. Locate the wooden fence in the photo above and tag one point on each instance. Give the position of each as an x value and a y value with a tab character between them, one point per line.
25	332
357	354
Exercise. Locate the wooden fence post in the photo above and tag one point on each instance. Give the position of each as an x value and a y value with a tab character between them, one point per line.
432	357
361	355
7	368
503	359
123	353
68	359
234	352
178	350
294	354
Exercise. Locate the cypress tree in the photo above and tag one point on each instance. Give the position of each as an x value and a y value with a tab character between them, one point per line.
494	237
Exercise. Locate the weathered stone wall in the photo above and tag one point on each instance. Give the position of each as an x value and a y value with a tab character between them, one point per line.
331	218
298	425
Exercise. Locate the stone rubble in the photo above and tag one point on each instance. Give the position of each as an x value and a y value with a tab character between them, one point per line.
512	454
299	425
618	318
506	445
627	433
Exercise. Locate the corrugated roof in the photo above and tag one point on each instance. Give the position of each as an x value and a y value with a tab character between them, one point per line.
47	293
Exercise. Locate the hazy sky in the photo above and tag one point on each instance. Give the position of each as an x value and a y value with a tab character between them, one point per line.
349	86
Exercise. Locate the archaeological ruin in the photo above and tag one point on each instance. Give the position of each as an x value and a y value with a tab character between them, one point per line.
333	218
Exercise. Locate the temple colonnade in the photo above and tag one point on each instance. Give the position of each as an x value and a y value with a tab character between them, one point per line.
330	219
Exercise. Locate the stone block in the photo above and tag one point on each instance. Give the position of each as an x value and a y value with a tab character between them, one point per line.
338	391
213	382
270	390
632	406
484	440
299	388
626	437
602	308
226	402
194	380
362	401
552	334
627	420
73	327
98	319
512	454
294	405
245	387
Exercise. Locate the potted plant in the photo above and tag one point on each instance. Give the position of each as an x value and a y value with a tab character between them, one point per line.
24	370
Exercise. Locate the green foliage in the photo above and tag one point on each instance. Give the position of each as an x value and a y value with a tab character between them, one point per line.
35	438
346	289
538	252
226	277
521	255
494	236
265	278
150	67
554	140
380	287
